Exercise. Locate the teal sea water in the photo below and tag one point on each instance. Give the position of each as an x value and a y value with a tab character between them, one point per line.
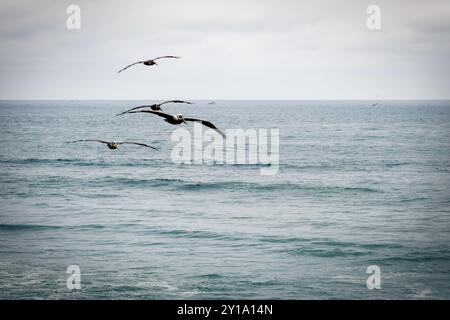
358	185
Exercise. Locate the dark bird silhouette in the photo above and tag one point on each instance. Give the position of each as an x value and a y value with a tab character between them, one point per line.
179	119
150	62
113	144
155	107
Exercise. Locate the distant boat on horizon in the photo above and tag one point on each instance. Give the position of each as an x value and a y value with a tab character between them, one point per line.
211	102
375	104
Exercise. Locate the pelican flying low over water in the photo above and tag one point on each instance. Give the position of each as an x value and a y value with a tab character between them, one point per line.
179	119
150	62
114	144
155	107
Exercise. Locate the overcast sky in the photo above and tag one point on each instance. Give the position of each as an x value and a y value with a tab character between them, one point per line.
260	49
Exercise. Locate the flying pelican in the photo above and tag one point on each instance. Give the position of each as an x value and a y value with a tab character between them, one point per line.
150	62
155	107
114	144
179	119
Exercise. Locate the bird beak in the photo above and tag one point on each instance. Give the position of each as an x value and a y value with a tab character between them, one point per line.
184	121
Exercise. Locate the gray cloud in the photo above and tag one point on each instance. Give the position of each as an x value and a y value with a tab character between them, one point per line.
230	50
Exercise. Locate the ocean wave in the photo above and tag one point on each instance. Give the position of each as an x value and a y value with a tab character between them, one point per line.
158	163
134	182
197	234
325	247
179	184
84	162
26	227
326	252
418	256
269	187
37	227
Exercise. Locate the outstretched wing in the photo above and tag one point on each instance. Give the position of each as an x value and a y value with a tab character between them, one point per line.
175	101
135	108
137	143
130	66
88	140
158	113
207	124
164	57
154	105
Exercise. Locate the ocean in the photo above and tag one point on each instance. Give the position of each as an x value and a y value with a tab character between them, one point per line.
358	185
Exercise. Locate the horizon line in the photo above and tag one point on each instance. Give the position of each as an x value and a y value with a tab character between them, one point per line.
203	99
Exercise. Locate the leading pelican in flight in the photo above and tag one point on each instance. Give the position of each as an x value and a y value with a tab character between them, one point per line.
179	119
155	107
113	145
150	62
